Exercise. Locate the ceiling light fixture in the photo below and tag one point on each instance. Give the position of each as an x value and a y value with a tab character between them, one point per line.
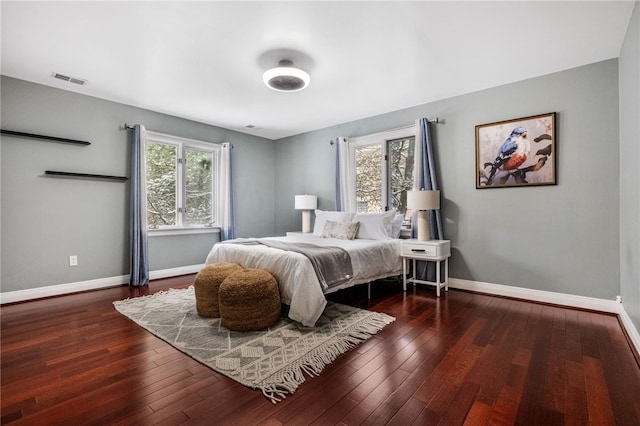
286	78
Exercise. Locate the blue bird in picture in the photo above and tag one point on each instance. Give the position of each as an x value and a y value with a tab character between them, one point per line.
512	154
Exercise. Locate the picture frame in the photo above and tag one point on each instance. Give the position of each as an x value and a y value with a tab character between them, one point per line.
518	152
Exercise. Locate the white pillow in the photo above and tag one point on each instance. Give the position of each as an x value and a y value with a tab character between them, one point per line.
374	226
396	225
341	230
322	216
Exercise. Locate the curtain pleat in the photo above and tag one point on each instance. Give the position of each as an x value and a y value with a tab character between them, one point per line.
139	253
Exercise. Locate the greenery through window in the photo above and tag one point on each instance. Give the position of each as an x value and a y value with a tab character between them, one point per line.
400	171
180	182
383	172
368	179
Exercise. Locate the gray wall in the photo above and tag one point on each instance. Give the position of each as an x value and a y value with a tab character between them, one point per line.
562	238
44	220
629	175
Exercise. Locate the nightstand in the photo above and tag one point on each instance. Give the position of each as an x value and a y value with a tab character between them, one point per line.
433	251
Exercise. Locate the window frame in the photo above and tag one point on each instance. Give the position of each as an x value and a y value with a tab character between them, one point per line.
382	139
182	144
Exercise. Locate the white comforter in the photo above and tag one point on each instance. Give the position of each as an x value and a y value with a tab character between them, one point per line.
299	285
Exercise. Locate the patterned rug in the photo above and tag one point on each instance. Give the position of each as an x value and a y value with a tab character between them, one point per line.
274	360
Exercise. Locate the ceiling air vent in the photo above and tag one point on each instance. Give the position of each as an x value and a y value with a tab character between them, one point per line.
74	80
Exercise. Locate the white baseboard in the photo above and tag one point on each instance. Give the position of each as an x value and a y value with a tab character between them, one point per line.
60	289
563	299
631	330
174	272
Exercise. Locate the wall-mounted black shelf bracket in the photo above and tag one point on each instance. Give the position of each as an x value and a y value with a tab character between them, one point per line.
43	137
86	175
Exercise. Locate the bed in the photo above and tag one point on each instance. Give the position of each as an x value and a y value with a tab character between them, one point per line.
300	288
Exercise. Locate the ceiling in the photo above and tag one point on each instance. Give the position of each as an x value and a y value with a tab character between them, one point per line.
204	60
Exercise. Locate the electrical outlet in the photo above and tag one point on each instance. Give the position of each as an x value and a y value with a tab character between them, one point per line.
73	260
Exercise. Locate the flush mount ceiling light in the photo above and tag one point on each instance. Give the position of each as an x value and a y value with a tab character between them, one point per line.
286	78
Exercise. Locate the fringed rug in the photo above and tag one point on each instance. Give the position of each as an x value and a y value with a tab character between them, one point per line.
273	360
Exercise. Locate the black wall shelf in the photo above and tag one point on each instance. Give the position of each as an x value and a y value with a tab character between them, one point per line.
86	176
43	137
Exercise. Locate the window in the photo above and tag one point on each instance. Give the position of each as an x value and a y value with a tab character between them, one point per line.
383	170
180	182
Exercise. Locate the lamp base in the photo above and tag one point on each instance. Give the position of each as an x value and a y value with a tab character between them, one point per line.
423	225
306	221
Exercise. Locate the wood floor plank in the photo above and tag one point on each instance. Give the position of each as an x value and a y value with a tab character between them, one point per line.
576	395
505	410
598	401
407	413
479	414
463	358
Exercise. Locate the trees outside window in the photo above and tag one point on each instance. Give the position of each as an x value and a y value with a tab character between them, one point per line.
180	182
401	154
383	170
368	178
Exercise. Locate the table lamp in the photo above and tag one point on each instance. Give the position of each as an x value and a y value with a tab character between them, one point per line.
421	201
306	203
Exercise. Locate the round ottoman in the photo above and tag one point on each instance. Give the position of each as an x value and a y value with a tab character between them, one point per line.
206	287
249	300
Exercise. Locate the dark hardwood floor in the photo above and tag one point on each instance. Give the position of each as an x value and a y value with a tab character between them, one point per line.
461	359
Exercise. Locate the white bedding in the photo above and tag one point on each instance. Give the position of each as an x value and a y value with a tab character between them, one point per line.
299	285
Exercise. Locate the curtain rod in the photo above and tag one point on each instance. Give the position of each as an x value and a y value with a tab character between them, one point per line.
128	127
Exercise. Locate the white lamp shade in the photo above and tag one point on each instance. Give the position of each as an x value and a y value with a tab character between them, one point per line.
423	200
306	202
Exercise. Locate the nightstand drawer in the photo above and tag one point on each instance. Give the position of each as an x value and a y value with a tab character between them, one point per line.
427	249
419	250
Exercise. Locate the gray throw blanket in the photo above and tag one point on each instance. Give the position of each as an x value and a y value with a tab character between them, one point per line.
331	264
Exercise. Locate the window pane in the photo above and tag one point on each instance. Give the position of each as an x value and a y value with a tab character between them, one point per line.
369	179
401	154
198	185
161	185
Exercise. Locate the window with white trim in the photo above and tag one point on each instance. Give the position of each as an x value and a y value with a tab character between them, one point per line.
181	182
383	170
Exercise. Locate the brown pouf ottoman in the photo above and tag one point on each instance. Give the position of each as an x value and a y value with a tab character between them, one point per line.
249	300
207	284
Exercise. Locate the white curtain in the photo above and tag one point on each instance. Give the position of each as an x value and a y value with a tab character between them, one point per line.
345	173
225	195
138	247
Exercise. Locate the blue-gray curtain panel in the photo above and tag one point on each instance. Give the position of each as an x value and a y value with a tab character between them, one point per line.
429	181
139	253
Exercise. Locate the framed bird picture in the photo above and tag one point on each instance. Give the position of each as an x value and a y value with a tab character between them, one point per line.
519	152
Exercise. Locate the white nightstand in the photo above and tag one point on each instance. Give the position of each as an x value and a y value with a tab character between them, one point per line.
434	251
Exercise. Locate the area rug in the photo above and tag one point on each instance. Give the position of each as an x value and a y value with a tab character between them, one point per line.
273	360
